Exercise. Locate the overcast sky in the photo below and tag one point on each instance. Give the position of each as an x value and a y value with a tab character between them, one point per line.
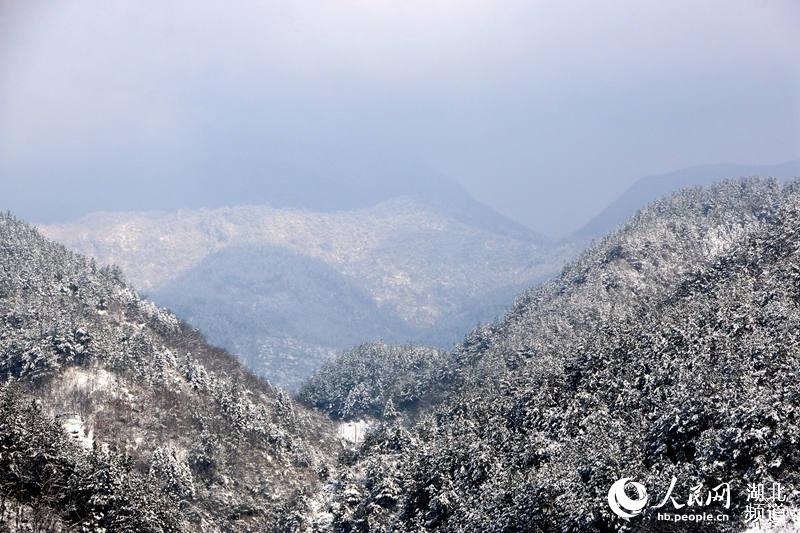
544	110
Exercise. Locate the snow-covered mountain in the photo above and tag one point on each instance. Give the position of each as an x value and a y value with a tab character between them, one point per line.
285	288
651	188
669	349
116	416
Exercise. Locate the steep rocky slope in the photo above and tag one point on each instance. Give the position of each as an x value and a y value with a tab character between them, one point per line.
169	429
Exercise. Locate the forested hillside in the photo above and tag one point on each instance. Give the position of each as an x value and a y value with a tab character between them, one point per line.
612	280
669	349
628	270
167	433
404	270
282	311
375	380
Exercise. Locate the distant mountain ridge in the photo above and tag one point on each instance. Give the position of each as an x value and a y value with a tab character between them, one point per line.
327	178
614	277
274	307
650	188
419	272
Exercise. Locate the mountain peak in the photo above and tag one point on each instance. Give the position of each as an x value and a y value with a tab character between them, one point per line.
650	188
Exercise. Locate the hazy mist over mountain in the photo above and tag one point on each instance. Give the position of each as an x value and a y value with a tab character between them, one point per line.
651	188
295	179
378	266
284	289
544	111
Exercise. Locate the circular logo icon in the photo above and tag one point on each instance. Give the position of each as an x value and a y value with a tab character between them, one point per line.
624	506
